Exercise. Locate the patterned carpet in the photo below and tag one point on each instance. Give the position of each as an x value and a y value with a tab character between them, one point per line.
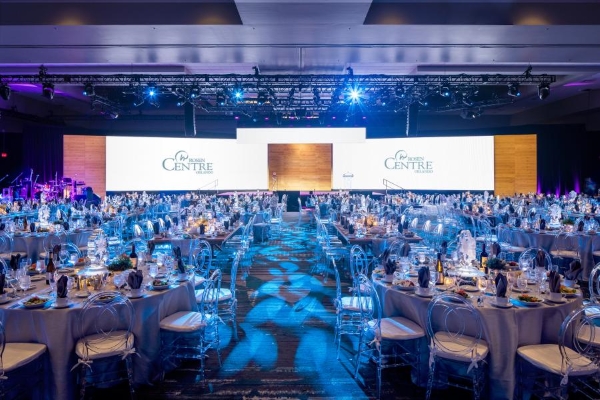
286	347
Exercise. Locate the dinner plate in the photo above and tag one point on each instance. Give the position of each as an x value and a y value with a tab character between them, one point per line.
428	294
160	287
5	300
404	288
519	290
507	305
570	295
561	301
527	303
66	305
34	306
37	278
469	288
82	295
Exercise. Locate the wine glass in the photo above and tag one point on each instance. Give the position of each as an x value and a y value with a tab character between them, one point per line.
24	282
119	281
482	282
522	282
153	271
433	277
63	255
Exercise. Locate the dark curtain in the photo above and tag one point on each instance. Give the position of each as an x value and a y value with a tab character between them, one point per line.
43	153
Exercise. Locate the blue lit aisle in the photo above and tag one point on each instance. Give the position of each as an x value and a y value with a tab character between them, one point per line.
286	319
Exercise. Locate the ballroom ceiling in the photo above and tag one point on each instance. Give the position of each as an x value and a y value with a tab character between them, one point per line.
356	41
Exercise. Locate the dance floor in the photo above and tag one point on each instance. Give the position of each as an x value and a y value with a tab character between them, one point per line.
286	348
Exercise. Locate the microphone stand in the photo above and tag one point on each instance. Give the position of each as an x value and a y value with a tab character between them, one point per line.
5	176
18	176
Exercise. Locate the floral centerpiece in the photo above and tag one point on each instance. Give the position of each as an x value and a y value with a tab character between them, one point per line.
496	264
121	263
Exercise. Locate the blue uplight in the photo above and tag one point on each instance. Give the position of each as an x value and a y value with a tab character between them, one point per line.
354	94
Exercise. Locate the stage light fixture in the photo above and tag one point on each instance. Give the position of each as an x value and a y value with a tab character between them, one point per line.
354	94
470	114
445	91
88	89
194	91
261	98
238	94
543	91
4	91
513	90
48	90
221	99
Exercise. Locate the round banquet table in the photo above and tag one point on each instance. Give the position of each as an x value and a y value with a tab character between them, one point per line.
57	329
545	240
32	244
505	329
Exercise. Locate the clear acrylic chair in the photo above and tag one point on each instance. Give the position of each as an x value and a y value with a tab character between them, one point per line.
200	256
565	248
21	368
105	340
190	334
553	370
389	342
455	332
359	265
594	284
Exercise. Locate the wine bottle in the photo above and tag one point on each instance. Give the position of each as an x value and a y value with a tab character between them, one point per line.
50	269
483	260
439	268
133	256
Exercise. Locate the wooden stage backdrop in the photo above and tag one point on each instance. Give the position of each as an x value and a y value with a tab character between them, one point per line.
309	166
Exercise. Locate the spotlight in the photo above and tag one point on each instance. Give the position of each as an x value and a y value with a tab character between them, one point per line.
238	94
543	91
354	94
194	91
4	91
151	91
48	90
261	97
513	90
88	89
445	91
470	114
221	99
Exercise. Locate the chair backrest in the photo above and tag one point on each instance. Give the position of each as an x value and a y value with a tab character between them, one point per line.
358	262
530	254
369	305
105	323
578	332
594	284
209	301
453	317
2	345
200	257
6	246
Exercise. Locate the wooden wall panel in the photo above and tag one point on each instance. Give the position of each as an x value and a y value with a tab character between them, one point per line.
85	160
515	164
301	166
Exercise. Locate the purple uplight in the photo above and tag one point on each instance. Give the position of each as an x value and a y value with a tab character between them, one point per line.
579	83
577	186
334	117
236	117
266	118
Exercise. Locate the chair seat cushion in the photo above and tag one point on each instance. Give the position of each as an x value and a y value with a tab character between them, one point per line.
548	358
596	253
183	321
103	345
400	328
224	294
198	280
587	335
18	354
350	303
459	348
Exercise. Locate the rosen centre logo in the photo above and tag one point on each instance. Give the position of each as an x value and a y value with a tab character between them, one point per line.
402	161
183	162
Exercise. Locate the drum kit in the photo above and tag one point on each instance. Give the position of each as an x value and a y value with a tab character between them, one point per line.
65	188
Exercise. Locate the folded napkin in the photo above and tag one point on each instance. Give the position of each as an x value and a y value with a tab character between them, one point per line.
134	279
181	266
540	259
390	267
517	222
385	255
542	224
405	250
405	224
151	246
554	282
61	287
2	281
2	226
168	224
56	250
580	226
177	252
202	229
66	226
156	228
32	227
175	221
496	249
15	261
573	271
351	229
424	277
504	218
501	285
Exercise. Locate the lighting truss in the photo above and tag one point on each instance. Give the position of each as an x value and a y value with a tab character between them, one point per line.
288	93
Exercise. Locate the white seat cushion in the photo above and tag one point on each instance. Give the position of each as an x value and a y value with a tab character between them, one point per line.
585	335
183	321
350	303
564	253
596	253
400	328
224	294
548	358
103	345
198	280
459	348
18	354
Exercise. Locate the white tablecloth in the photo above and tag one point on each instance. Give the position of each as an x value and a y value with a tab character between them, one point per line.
504	329
33	244
57	329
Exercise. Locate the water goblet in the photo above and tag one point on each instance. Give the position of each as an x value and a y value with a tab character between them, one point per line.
433	277
482	282
24	282
153	271
63	255
119	281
